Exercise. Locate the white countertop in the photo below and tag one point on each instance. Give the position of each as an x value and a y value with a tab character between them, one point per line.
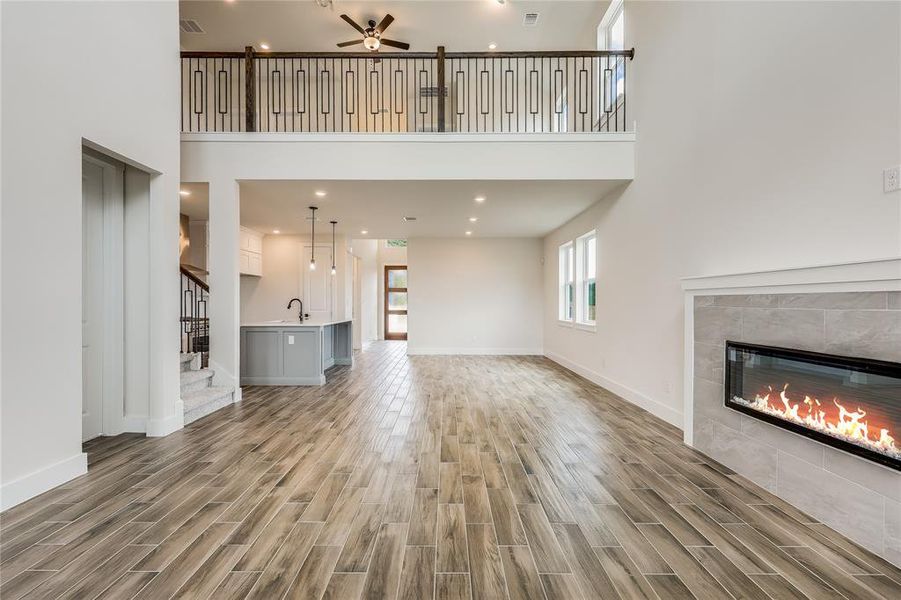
292	324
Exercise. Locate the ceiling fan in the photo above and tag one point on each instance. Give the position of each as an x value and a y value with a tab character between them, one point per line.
372	35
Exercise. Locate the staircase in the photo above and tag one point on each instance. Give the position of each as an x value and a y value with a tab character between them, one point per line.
198	395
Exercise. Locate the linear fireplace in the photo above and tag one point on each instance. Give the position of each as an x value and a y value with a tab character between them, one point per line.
853	404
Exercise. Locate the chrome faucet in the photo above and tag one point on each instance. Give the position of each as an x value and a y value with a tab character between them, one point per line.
302	315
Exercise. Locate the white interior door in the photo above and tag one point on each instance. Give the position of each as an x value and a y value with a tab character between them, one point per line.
318	284
92	301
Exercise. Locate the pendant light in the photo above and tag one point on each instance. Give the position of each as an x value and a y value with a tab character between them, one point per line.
334	270
313	210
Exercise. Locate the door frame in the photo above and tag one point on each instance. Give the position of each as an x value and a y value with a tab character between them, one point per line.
112	400
395	336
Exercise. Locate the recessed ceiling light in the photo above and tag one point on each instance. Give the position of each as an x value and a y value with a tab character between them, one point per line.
473	219
264	46
492	46
276	231
480	199
320	193
501	1
184	193
364	232
468	233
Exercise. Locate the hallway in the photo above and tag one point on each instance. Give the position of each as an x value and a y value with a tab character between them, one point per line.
444	477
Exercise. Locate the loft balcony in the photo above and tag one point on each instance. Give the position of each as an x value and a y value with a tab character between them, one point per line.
415	92
427	115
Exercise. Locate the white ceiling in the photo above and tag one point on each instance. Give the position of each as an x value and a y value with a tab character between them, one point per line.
462	25
442	208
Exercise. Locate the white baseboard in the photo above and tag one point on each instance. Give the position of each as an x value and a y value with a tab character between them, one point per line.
671	416
474	351
171	424
31	485
237	396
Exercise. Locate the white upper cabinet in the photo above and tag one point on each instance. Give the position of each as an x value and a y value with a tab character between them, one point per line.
251	259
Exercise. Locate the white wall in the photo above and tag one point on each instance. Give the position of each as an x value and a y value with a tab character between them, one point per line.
266	298
206	157
367	251
762	141
106	72
197	251
475	296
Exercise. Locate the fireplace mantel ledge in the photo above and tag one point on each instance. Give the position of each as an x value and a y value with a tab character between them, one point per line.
875	275
883	274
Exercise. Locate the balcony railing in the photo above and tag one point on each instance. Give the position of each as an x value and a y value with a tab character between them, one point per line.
470	92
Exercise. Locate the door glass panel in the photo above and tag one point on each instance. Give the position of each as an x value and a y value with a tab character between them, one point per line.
397	300
397	323
397	278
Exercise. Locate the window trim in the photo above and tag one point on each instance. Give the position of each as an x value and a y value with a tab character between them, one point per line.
577	277
565	254
581	279
604	37
616	8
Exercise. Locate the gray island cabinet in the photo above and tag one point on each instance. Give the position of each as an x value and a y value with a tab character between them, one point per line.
292	353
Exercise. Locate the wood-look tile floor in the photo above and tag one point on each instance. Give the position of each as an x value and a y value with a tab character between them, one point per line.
417	478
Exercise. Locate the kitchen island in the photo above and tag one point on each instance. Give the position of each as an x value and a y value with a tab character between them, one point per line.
294	353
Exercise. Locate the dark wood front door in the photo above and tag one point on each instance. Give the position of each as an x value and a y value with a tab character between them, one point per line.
395	302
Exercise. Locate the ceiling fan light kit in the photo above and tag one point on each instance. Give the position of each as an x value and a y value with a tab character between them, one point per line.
371	43
372	38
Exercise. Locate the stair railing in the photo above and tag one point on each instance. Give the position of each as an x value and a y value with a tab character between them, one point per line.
195	322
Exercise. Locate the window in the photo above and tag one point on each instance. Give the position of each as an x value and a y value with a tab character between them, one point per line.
566	282
611	36
586	271
577	281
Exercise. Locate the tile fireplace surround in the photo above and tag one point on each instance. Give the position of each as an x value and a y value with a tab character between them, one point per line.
847	309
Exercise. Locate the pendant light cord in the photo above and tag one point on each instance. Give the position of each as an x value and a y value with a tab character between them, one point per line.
333	244
313	236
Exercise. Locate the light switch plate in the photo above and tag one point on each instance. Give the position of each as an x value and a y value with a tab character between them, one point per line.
891	179
290	340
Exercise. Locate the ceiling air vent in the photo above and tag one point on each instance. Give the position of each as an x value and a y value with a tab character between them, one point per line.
530	19
190	26
408	219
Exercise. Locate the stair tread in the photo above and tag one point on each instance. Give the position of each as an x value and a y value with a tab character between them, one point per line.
197	398
186	356
206	401
194	376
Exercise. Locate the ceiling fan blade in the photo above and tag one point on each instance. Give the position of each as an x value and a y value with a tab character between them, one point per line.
350	43
353	24
386	21
401	45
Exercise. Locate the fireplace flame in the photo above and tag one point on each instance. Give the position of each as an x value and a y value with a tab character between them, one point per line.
848	425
